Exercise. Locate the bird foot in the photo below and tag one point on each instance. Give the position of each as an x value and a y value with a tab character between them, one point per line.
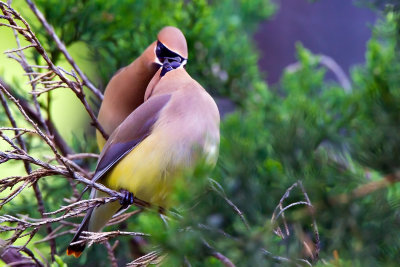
127	199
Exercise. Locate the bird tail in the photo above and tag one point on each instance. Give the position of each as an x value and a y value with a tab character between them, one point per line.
76	249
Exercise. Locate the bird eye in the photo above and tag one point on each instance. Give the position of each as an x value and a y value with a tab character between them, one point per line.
159	49
164	53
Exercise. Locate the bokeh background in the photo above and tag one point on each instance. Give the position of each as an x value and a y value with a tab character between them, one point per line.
336	28
309	91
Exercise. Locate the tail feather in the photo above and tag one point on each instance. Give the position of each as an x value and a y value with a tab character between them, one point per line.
76	250
95	220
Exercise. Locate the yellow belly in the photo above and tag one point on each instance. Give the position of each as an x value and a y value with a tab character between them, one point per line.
100	140
148	171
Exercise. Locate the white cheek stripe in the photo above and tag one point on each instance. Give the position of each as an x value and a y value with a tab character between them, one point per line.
183	63
156	60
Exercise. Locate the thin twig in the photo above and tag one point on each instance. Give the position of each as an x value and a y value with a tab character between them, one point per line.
315	226
291	205
74	86
280	210
63	49
153	257
110	253
330	64
218	188
27	118
58	140
10	255
18	49
100	237
21	142
14	125
223	259
81	155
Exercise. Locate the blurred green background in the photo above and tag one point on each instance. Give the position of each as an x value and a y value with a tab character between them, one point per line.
305	127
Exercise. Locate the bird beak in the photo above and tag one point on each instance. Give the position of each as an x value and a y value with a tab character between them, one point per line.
171	60
175	61
170	64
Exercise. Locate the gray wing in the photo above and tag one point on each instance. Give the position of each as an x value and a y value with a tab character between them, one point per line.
133	130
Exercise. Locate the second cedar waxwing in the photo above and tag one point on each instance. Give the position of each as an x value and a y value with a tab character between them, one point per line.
176	126
125	91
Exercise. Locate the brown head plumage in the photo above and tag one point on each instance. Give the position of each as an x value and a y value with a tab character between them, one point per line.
174	40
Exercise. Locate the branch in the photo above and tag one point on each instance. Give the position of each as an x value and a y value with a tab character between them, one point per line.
223	259
75	86
28	119
110	253
315	226
63	49
12	256
100	237
280	211
153	257
215	186
14	125
368	188
330	64
21	142
58	140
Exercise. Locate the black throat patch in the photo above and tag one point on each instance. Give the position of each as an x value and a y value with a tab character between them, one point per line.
168	66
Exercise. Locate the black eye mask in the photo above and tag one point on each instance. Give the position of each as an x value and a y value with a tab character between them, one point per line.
163	52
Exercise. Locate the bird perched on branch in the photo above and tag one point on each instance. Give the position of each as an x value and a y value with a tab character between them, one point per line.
175	127
125	91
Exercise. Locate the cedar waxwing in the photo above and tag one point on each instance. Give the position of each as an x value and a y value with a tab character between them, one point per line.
177	125
125	91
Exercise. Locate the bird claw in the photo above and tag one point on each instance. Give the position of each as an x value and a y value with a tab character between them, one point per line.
127	199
